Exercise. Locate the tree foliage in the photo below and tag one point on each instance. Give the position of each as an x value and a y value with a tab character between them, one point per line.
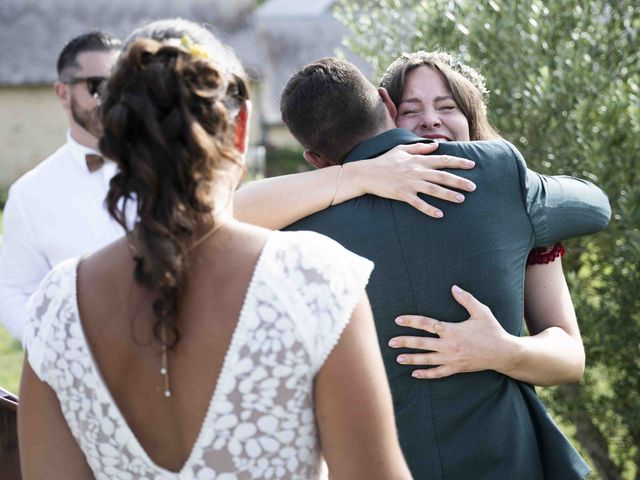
565	87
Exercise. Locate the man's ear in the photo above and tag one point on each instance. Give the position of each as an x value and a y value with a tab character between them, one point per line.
242	126
386	99
316	160
62	92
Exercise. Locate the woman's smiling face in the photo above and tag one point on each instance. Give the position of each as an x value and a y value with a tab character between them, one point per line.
428	108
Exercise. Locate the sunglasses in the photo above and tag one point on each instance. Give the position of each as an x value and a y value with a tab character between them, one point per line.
95	85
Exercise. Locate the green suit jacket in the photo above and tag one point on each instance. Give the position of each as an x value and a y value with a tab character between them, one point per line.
481	425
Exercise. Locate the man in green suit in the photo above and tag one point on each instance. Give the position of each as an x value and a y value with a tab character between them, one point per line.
480	425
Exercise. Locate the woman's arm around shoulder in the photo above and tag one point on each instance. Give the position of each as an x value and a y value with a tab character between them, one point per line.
400	174
354	410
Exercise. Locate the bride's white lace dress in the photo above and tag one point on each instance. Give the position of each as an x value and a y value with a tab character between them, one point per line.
260	422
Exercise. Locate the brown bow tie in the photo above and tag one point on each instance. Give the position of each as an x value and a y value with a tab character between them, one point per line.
94	162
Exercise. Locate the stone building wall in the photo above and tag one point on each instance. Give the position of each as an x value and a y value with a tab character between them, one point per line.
32	126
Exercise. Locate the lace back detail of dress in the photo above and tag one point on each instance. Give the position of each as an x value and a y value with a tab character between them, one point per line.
260	422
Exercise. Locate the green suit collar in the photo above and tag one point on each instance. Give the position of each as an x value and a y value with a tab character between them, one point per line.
382	143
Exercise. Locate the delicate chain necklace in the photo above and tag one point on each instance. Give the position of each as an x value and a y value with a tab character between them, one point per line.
164	359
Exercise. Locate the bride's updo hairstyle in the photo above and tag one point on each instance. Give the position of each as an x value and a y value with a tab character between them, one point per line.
169	114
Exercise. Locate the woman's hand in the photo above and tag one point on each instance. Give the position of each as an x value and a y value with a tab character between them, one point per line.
406	170
478	343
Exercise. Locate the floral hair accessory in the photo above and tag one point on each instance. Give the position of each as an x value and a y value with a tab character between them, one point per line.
195	49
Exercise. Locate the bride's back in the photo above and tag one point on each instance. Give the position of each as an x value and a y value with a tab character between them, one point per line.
160	306
117	316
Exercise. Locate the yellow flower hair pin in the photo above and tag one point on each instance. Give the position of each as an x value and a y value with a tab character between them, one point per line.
195	49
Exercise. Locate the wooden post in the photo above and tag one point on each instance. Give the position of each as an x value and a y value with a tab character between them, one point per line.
9	457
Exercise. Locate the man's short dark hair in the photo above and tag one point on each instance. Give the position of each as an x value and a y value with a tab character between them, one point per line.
330	107
94	41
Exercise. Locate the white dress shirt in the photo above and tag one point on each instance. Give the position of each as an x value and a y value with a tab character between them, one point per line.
54	212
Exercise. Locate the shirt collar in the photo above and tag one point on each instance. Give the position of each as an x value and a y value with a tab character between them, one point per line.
78	151
382	143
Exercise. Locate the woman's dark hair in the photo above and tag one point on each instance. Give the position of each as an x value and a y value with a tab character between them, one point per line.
465	84
169	114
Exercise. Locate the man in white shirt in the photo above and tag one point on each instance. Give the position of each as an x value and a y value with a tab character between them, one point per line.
56	210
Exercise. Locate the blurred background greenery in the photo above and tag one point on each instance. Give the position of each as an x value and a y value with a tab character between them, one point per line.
565	85
10	351
10	362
